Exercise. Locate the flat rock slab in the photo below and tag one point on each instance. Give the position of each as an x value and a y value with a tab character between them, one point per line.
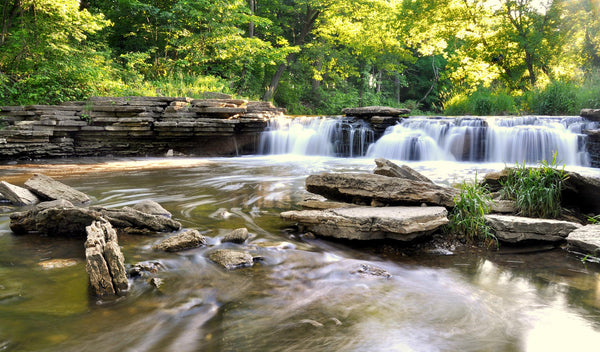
48	188
586	239
590	114
366	188
515	229
182	241
371	223
17	195
374	111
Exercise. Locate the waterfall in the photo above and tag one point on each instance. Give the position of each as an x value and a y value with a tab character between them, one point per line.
325	136
508	140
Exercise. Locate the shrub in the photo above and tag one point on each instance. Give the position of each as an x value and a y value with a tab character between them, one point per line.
483	101
536	191
558	98
467	219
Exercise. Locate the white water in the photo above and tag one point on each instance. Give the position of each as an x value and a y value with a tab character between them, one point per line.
528	139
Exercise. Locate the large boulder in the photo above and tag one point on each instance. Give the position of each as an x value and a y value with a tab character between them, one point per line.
586	239
62	218
104	260
368	188
371	223
48	188
17	195
516	229
388	168
182	241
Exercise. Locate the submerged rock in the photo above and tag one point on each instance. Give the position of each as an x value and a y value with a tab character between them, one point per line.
586	239
48	188
182	241
17	195
239	236
366	188
371	270
371	223
231	259
104	260
388	168
515	229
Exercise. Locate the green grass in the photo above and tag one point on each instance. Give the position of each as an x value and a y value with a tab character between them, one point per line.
536	191
467	218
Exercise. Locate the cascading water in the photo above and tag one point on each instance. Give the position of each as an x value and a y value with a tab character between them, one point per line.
325	136
527	139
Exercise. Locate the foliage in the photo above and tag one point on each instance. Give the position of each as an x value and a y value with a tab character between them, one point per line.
467	218
483	101
536	191
558	98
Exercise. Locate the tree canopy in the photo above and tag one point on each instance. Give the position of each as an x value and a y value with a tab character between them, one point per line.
311	56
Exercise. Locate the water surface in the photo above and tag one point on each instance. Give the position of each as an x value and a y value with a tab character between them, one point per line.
306	295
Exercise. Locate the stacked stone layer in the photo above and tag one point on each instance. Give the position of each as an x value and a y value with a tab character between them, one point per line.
133	126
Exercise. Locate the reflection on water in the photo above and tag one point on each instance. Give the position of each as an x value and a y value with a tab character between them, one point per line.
306	295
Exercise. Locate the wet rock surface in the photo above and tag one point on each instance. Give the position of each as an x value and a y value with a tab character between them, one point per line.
239	236
182	241
516	229
48	188
586	239
371	223
17	195
231	259
104	261
366	188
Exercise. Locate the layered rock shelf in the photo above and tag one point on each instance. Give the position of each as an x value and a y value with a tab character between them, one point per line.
133	126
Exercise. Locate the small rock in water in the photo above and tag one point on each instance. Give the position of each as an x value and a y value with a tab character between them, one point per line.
141	269
314	323
151	207
236	236
156	282
221	213
371	270
57	263
185	240
231	259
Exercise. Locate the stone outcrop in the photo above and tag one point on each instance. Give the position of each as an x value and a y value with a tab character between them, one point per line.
590	114
593	146
388	168
586	239
62	218
17	195
516	229
186	240
239	236
231	259
133	126
104	260
317	202
371	223
368	188
48	188
380	117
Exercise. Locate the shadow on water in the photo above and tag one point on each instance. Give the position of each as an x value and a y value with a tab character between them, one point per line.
305	295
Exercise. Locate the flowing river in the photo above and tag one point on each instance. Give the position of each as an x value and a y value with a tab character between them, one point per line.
305	295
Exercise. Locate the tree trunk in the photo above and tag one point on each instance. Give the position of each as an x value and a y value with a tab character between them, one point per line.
252	6
309	22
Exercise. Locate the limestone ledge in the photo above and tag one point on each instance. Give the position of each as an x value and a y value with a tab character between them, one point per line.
133	126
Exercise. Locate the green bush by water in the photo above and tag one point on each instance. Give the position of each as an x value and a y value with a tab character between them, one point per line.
536	191
467	218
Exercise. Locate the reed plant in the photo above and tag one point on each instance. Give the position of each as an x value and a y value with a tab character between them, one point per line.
467	218
535	190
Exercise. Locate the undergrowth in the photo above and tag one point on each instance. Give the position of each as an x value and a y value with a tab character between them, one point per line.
536	191
467	218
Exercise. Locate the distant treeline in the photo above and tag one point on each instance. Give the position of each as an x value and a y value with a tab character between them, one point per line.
311	56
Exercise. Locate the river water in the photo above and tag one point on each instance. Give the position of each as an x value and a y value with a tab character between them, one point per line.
305	295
